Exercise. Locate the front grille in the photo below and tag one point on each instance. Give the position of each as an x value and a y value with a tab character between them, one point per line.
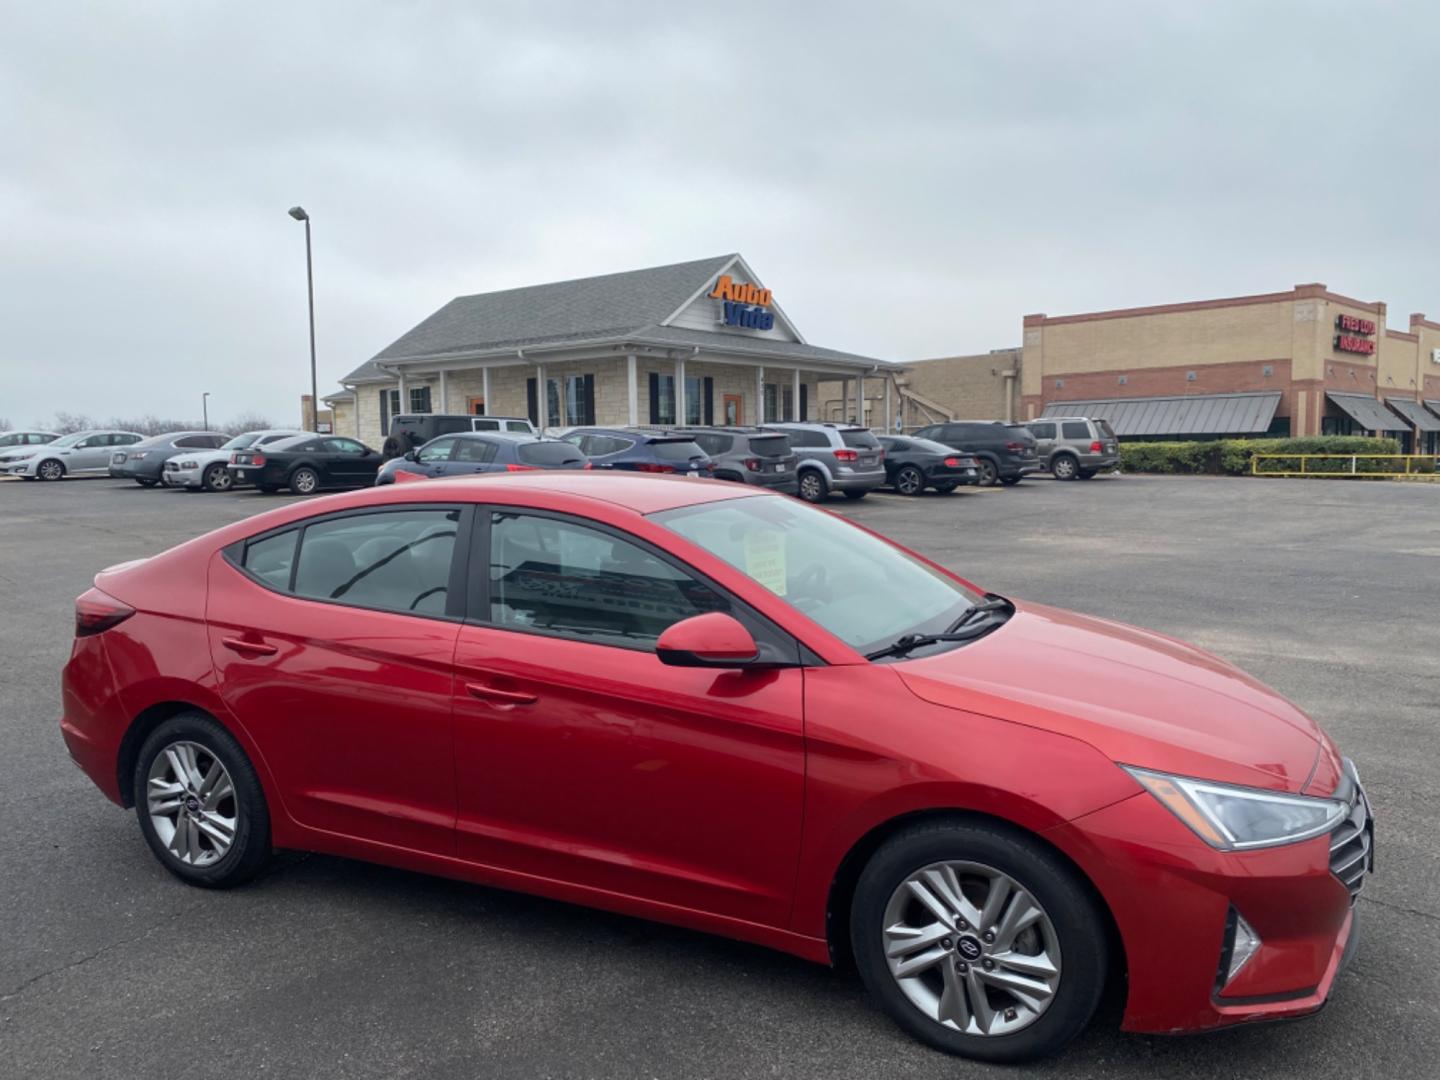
1352	854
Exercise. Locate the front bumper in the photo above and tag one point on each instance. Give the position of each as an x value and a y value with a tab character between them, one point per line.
1171	895
186	478
19	468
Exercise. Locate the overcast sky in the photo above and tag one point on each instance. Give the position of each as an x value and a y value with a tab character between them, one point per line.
909	178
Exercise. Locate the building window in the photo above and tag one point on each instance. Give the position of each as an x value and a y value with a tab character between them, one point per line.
694	401
772	403
389	406
570	401
787	398
664	406
1337	425
419	399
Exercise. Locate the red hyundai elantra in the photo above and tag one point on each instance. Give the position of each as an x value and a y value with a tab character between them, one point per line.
726	709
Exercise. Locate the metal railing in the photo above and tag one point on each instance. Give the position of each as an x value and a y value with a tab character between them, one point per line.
1347	466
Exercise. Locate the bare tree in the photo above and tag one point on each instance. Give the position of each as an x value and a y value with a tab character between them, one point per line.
4	423
246	422
65	422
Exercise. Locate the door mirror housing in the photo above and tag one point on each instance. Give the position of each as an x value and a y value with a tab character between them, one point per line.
714	640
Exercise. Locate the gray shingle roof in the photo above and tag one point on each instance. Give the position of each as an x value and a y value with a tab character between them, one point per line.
620	307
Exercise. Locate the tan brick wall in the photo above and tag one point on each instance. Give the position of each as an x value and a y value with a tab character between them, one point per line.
970	387
344	418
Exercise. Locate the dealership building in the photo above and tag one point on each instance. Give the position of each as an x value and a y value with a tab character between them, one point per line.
702	342
1302	362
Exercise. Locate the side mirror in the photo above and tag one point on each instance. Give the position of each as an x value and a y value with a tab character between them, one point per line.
711	640
410	455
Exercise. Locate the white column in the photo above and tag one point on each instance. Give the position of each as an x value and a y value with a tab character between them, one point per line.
679	391
860	400
404	397
760	395
795	397
542	398
444	393
632	389
889	416
844	401
485	387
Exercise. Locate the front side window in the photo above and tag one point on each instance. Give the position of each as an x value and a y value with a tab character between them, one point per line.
344	446
1042	431
863	590
436	450
564	578
386	560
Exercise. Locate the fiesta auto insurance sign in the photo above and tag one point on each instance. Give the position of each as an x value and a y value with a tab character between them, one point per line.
1354	335
744	305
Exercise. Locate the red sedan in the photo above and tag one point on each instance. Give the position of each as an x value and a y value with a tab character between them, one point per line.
726	709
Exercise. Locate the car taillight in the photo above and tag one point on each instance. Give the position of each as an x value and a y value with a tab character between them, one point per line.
96	612
521	468
952	462
753	464
647	466
1015	447
1096	447
846	455
257	459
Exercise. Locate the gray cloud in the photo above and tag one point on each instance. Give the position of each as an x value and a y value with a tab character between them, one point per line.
909	178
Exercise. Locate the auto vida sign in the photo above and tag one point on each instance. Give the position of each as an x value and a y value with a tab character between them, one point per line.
743	304
1354	335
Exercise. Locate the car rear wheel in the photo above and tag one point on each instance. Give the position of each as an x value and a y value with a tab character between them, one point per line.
812	486
979	940
304	481
217	478
988	473
50	469
910	481
200	804
1064	467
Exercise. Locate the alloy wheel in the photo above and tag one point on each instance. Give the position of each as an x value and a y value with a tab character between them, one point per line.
909	481
51	470
304	482
218	479
191	802
812	488
988	473
971	948
1063	468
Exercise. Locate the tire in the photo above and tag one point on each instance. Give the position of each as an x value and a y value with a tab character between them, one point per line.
856	496
216	478
989	474
1064	467
1010	481
304	481
145	483
946	488
1087	474
50	469
193	848
812	486
1071	932
267	489
910	481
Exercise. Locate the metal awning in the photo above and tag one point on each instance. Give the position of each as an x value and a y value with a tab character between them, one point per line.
1366	411
1415	413
1189	414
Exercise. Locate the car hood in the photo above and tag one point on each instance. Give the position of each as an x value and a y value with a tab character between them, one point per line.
1138	697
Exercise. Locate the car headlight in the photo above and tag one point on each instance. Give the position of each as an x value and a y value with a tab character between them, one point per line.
19	457
1239	818
137	457
184	464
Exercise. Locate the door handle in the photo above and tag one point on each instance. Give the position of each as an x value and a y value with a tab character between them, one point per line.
250	648
501	697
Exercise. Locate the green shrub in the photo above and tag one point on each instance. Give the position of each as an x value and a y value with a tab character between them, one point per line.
1232	456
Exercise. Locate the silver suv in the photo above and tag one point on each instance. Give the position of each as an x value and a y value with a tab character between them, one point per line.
834	457
750	455
1071	446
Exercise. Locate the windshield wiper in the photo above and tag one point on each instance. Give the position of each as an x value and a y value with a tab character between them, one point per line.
967	628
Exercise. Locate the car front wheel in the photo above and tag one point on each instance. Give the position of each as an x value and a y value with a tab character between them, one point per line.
50	469
217	478
979	940
813	488
304	481
200	804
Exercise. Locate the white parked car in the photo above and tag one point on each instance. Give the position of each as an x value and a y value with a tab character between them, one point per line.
205	469
11	440
80	452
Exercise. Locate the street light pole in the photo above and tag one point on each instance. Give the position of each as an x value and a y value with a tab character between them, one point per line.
205	409
299	214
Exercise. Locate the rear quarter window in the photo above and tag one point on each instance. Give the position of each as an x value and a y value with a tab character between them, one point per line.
1075	429
769	445
676	450
271	558
863	440
549	453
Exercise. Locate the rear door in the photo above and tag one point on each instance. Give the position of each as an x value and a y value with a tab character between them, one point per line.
348	461
332	644
472	456
1044	432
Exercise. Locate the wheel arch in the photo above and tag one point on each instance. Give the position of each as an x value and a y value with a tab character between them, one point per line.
46	461
847	875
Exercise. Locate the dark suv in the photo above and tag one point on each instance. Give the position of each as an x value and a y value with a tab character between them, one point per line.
410	431
1005	454
748	455
649	450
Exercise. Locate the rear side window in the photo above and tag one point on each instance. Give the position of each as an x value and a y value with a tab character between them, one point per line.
806	437
1075	429
387	560
549	453
1105	429
123	440
1042	431
449	425
485	425
860	439
713	442
769	445
271	558
198	442
518	425
676	450
604	445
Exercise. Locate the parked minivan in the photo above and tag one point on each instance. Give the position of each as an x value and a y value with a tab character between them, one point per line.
410	431
1005	453
1071	446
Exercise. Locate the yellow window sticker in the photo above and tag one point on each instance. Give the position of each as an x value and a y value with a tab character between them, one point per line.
765	558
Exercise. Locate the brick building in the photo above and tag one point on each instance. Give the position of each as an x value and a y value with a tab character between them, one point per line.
1303	362
696	342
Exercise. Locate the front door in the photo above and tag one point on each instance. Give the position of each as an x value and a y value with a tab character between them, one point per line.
344	677
475	406
734	409
580	757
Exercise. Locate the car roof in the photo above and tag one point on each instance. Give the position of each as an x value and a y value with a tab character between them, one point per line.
502	436
643	432
727	429
834	425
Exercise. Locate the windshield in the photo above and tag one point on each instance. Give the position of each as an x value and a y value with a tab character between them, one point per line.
239	442
860	588
71	440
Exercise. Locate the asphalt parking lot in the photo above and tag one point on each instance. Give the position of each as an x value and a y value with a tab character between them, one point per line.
109	967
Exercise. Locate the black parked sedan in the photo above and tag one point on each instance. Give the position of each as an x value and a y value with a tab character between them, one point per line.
305	464
490	452
912	465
